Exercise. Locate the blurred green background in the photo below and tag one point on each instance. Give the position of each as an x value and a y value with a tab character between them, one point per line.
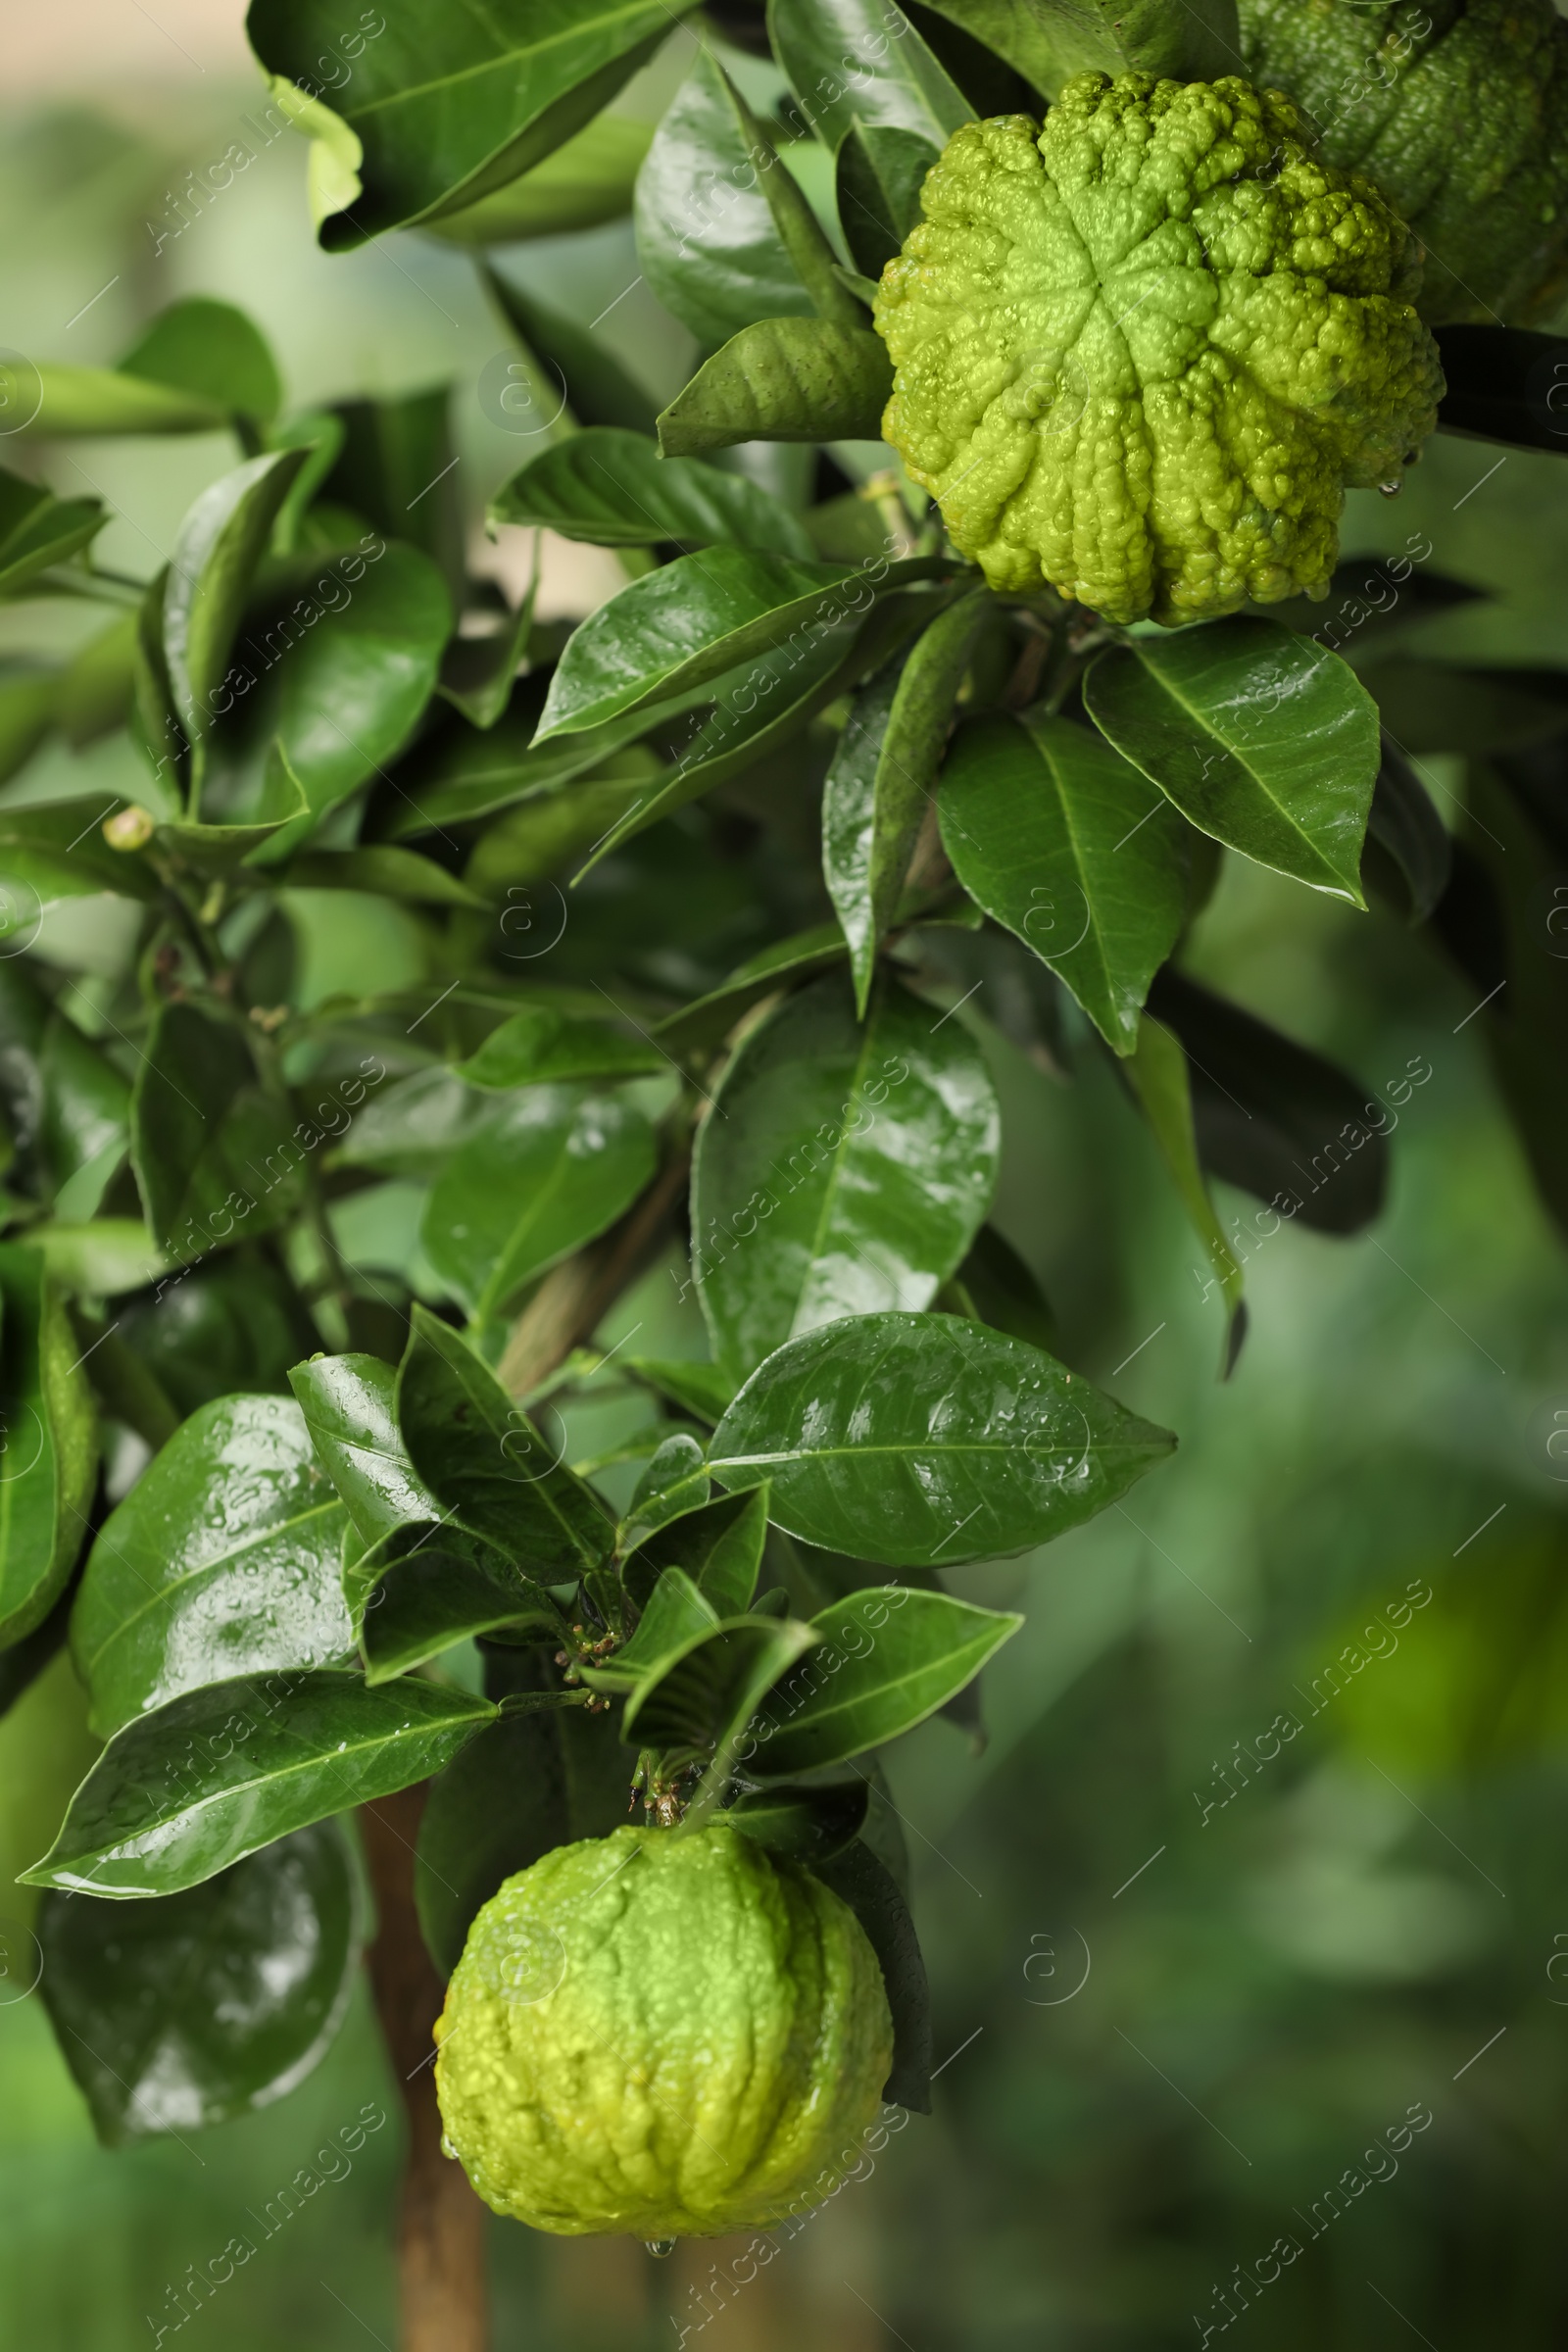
1170	2023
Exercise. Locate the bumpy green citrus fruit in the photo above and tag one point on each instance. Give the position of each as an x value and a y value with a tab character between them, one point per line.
663	2035
1458	109
1140	353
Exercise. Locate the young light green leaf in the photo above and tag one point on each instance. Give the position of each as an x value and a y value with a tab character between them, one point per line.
862	61
888	1657
93	403
540	1046
1260	738
223	1560
350	1407
179	1795
553	1167
674	1484
445	1586
783	379
1158	1071
883	776
212	2003
685	624
447	108
213	1153
1056	836
613	489
924	1441
846	1169
487	1462
220	543
48	1444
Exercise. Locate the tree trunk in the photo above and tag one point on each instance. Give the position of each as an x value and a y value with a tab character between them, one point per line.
441	2223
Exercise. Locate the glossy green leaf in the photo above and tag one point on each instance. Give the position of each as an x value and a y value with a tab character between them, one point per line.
883	778
725	235
1403	823
213	1153
721	1547
701	1699
588	180
220	543
179	1795
201	2008
685	624
48	1444
553	1168
923	1440
448	107
413	1126
222	1560
566	1778
338	656
463	773
704	1023
613	489
809	1824
1260	738
1049	40
488	1463
83	1118
541	1045
674	1615
674	1484
38	529
214	351
783	379
879	174
101	1260
859	1878
571	365
861	61
350	1407
845	1170
1056	836
1158	1073
93	403
444	1587
888	1657
57	850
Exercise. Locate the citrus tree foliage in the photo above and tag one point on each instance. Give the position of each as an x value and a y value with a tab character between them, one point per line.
705	883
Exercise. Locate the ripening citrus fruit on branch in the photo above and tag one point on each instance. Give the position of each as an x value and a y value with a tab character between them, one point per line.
668	2034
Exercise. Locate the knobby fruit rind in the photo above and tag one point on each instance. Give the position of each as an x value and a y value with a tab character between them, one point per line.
1458	109
663	2035
1140	354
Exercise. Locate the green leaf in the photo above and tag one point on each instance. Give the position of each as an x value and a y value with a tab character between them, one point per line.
861	61
462	773
1159	1074
1438	706
1048	40
553	1167
217	848
674	1615
674	1484
95	689
338	656
28	705
379	870
179	1795
725	235
704	1023
223	1560
82	1113
233	1324
575	367
701	1699
1260	738
878	178
219	546
888	1657
57	850
540	1044
413	1128
721	1548
444	1587
844	1170
1004	1294
685	624
38	529
1057	837
92	403
48	1444
586	181
215	1155
448	107
923	1440
350	1407
212	350
101	1260
783	379
882	780
700	1388
859	1879
201	2008
488	1463
398	469
566	1778
478	674
809	1824
613	489
1403	823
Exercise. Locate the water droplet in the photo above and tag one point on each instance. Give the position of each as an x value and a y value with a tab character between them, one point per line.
447	2149
661	2248
1391	489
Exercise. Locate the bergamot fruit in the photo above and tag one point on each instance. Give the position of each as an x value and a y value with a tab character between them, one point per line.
1458	109
1140	354
674	2035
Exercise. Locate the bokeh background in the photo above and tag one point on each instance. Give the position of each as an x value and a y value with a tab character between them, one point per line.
1181	1988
